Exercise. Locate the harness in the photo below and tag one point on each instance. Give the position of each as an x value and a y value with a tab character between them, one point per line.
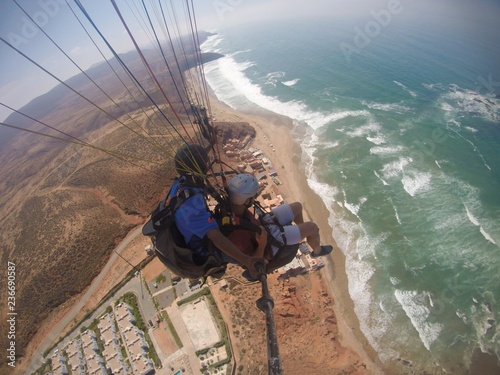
277	223
176	255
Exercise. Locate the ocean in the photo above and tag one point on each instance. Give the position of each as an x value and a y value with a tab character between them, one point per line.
399	125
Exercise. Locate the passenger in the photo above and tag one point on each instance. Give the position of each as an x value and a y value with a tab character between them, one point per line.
194	220
242	190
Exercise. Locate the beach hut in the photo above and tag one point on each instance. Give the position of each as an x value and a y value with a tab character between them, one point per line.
261	175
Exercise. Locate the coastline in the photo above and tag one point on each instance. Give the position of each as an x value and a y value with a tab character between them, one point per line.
274	139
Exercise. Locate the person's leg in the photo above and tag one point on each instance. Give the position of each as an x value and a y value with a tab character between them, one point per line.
287	213
296	207
295	233
310	231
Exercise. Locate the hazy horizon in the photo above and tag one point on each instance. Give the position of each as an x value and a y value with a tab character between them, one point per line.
22	81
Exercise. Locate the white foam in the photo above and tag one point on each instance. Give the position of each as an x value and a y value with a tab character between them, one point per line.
431	302
240	52
471	217
434	86
476	222
395	169
396	213
378	140
354	208
211	42
291	82
364	130
394	280
414	305
325	191
476	150
373	323
386	150
447	107
381	179
226	77
387	107
273	77
487	235
462	101
327	145
412	93
453	122
416	182
372	130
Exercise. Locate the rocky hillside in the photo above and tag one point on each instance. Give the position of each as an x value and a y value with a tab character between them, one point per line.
305	323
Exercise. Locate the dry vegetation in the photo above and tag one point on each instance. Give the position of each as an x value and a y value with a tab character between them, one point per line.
64	207
65	215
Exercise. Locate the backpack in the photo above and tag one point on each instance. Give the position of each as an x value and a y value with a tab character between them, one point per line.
169	244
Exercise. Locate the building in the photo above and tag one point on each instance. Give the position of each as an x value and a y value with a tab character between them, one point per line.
261	175
256	164
149	250
95	363
245	141
76	360
294	268
134	340
112	350
245	154
59	365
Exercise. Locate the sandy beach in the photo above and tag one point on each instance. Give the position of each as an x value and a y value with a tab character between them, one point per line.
275	140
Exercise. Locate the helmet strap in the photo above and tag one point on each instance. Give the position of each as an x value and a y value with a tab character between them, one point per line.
249	202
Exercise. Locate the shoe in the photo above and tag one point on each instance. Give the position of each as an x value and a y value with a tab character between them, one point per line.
325	250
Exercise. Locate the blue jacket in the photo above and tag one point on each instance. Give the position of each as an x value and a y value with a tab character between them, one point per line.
193	219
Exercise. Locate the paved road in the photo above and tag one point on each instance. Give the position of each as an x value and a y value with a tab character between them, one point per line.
37	359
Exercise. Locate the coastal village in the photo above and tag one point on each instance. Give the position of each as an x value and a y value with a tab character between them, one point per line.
173	328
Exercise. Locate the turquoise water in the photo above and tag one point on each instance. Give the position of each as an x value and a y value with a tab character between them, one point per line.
401	142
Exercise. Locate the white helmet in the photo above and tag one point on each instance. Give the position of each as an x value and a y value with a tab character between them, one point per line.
242	187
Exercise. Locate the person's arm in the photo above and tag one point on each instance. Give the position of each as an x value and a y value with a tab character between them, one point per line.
261	243
225	245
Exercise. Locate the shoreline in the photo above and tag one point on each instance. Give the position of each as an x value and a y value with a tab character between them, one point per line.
274	139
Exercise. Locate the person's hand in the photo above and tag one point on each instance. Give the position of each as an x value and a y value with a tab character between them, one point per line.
252	262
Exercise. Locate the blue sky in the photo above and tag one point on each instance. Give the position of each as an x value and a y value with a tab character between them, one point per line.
21	81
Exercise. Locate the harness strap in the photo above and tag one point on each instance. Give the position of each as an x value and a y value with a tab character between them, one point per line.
281	227
228	224
163	218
